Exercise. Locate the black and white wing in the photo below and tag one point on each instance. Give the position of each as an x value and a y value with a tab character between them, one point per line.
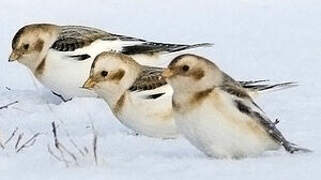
149	79
155	48
246	105
71	38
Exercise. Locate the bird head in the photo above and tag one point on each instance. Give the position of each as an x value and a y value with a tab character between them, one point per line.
111	73
31	43
190	73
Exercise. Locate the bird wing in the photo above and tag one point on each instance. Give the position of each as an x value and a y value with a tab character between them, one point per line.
244	104
71	38
155	48
150	78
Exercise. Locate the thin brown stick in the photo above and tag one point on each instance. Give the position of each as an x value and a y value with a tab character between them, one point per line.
60	146
29	142
72	155
7	105
18	140
54	131
12	135
95	149
56	142
73	142
94	143
1	145
56	156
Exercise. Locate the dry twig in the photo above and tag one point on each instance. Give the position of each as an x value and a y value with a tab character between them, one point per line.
60	147
7	105
12	135
1	145
18	140
94	143
30	142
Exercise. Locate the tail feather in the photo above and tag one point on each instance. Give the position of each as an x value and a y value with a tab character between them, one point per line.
292	148
260	86
176	48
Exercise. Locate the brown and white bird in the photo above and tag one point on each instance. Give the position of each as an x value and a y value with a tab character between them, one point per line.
139	96
60	57
217	116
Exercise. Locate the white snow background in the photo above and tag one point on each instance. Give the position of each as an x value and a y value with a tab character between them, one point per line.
254	39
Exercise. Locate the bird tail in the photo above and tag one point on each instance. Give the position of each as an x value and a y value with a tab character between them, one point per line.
261	85
293	148
175	48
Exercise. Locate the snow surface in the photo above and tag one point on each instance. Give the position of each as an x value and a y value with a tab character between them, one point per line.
254	39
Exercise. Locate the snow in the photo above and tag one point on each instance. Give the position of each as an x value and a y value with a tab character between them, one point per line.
254	39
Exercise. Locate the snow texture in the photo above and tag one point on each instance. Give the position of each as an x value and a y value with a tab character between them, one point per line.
254	39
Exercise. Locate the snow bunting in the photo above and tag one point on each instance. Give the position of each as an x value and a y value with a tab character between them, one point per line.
217	116
60	57
138	95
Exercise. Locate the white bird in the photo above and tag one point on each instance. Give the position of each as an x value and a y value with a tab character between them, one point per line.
217	116
138	95
60	57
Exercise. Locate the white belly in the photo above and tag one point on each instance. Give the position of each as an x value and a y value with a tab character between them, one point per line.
65	76
152	117
219	134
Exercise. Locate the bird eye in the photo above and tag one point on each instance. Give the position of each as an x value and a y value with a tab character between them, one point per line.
26	46
185	68
104	73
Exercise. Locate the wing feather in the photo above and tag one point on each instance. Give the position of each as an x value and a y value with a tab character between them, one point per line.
71	38
244	103
150	78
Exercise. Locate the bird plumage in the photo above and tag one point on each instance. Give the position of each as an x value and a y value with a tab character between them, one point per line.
141	98
217	115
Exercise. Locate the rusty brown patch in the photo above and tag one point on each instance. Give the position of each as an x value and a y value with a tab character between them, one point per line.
38	45
199	96
197	74
118	75
41	67
119	104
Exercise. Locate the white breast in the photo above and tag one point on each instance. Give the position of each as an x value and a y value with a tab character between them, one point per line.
150	117
221	131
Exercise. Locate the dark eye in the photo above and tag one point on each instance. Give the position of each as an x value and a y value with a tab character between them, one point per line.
26	46
104	73
185	68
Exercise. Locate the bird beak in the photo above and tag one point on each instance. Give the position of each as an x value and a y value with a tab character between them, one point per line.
89	84
167	73
13	57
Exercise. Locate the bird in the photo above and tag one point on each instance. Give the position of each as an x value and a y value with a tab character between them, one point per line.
139	96
216	116
60	56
